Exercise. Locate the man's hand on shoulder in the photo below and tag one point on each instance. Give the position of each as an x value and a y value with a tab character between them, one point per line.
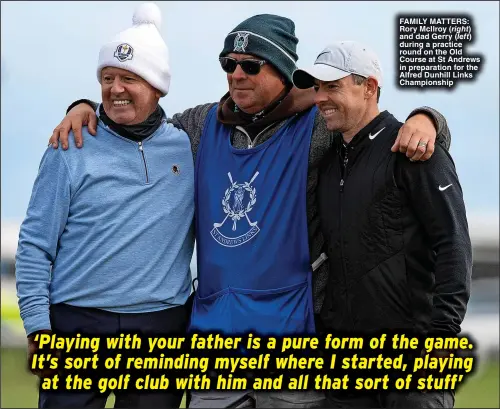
79	116
416	138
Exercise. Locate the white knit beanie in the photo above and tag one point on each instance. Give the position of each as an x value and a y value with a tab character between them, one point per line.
140	49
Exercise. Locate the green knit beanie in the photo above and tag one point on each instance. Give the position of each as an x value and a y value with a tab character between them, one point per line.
266	36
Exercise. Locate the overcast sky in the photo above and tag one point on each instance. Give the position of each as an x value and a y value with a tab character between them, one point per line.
50	49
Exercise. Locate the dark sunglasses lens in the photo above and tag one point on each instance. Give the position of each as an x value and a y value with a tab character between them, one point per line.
228	65
250	67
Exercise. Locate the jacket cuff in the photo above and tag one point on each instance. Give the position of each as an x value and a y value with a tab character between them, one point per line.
82	101
440	332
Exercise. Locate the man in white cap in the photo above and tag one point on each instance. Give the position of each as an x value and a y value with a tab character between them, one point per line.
396	233
88	259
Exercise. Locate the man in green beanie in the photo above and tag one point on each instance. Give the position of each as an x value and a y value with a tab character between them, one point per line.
261	266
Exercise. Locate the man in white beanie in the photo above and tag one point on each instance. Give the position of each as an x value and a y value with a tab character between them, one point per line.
88	259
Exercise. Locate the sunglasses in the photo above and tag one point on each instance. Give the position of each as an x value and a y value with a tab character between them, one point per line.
250	67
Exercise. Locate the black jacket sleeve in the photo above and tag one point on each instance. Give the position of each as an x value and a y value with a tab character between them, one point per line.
436	198
93	104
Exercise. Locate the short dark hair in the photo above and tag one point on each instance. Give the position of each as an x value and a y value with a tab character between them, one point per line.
358	80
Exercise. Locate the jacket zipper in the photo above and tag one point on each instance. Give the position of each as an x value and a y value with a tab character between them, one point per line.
250	142
344	267
144	161
140	148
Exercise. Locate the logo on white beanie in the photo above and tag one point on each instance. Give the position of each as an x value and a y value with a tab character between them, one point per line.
140	49
124	52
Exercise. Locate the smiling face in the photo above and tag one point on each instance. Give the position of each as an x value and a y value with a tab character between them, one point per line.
342	103
127	98
253	93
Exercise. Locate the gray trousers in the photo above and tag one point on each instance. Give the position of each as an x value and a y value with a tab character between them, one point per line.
316	399
403	399
257	399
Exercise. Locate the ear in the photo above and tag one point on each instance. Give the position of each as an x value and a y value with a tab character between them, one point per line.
158	94
371	88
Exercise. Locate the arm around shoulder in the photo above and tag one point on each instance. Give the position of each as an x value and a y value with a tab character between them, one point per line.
442	131
79	114
89	102
192	121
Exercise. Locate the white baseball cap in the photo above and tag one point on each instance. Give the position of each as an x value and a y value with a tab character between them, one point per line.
338	60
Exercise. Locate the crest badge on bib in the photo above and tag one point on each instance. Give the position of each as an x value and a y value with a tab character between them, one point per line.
239	199
124	52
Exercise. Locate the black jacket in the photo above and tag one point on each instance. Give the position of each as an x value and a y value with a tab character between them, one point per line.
397	237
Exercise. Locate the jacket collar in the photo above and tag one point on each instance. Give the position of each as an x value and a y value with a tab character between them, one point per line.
362	135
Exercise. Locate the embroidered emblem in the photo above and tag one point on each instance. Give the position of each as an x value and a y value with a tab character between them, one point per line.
124	52
238	200
240	42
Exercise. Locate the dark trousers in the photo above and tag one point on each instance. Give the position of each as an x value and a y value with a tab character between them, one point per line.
400	399
67	319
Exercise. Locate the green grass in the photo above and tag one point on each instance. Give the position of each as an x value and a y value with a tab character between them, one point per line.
481	390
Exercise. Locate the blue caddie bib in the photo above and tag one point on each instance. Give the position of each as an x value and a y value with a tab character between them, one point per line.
254	272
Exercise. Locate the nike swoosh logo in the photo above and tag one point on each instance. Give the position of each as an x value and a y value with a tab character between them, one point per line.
373	136
444	188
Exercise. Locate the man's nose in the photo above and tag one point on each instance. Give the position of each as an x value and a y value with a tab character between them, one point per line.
117	87
320	97
238	73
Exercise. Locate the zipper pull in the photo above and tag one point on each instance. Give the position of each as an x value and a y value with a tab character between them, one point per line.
342	185
140	146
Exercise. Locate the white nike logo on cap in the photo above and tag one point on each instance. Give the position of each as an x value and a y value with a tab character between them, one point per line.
373	136
444	188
